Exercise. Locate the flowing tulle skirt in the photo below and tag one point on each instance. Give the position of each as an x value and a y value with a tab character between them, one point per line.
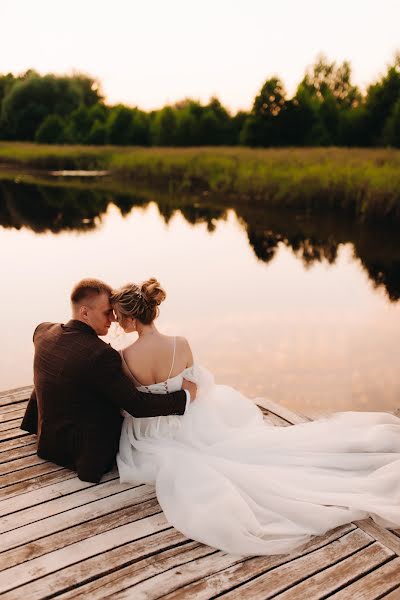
226	478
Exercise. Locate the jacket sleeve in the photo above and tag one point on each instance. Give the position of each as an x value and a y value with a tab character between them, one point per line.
30	419
111	382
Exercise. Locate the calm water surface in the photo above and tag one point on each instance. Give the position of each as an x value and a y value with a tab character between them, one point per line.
291	308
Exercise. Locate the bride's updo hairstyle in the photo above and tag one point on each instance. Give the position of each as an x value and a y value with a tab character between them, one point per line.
138	301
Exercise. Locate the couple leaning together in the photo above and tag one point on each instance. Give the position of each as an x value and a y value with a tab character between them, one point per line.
223	476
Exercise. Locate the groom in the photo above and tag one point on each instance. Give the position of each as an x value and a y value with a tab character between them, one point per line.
80	389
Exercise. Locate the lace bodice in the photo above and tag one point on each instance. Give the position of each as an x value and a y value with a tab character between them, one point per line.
173	384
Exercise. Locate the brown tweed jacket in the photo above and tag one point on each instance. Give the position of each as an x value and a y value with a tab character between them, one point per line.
79	391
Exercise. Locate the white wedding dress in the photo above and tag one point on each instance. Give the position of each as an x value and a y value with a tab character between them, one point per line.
227	478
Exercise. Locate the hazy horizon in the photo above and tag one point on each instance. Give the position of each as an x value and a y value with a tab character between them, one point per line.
152	55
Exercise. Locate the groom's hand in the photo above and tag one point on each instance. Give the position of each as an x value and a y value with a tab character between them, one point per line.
190	387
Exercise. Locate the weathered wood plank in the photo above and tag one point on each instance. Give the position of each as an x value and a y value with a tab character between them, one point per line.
39	530
394	595
9	415
16	453
384	536
85	548
285	576
339	575
11	466
15	396
65	503
142	570
281	411
375	585
122	563
18	390
28	473
273	419
38	482
15	432
225	580
80	514
60	489
17	442
75	534
11	408
164	583
11	424
173	580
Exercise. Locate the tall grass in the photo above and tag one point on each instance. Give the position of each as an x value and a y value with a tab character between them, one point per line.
362	182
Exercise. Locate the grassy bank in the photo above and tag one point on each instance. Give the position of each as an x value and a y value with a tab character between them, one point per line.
364	183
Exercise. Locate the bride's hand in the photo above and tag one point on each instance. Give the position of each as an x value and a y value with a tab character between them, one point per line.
190	387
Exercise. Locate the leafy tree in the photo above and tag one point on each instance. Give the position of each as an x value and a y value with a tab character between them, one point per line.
25	107
352	128
163	127
98	134
326	109
187	129
119	126
380	101
51	130
6	82
262	126
332	95
188	114
215	122
391	132
79	125
140	128
88	89
99	112
32	97
324	80
236	126
296	121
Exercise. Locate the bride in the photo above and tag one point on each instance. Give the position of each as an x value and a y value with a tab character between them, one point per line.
226	478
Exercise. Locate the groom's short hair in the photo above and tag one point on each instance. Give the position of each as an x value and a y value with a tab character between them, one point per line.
89	288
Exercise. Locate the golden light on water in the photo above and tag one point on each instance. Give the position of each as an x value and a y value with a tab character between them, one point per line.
320	339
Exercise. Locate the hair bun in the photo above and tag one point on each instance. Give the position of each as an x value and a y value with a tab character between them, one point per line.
153	292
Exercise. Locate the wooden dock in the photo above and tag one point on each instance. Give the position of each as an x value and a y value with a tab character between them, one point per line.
62	537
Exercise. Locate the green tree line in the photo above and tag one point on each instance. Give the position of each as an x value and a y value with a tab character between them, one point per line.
326	109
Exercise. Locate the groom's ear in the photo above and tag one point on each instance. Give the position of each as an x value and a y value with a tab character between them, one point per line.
83	312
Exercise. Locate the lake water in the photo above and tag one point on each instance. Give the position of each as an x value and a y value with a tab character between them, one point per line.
302	309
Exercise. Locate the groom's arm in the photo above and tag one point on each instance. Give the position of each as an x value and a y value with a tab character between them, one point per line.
111	382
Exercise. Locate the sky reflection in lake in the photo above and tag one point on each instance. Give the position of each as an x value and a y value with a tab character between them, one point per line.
315	339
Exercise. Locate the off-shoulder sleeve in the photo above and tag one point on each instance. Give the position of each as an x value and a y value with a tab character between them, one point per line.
203	378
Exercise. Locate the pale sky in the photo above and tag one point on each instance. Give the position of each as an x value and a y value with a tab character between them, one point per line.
148	54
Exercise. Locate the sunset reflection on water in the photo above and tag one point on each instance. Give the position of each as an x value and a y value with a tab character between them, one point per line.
315	339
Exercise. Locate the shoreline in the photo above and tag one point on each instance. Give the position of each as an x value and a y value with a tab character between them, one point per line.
364	184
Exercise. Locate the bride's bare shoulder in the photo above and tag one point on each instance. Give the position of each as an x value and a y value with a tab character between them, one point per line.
183	345
129	350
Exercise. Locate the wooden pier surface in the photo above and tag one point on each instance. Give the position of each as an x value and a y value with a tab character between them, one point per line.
61	537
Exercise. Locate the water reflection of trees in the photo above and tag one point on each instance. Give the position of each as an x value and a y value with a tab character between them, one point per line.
311	238
266	243
316	238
